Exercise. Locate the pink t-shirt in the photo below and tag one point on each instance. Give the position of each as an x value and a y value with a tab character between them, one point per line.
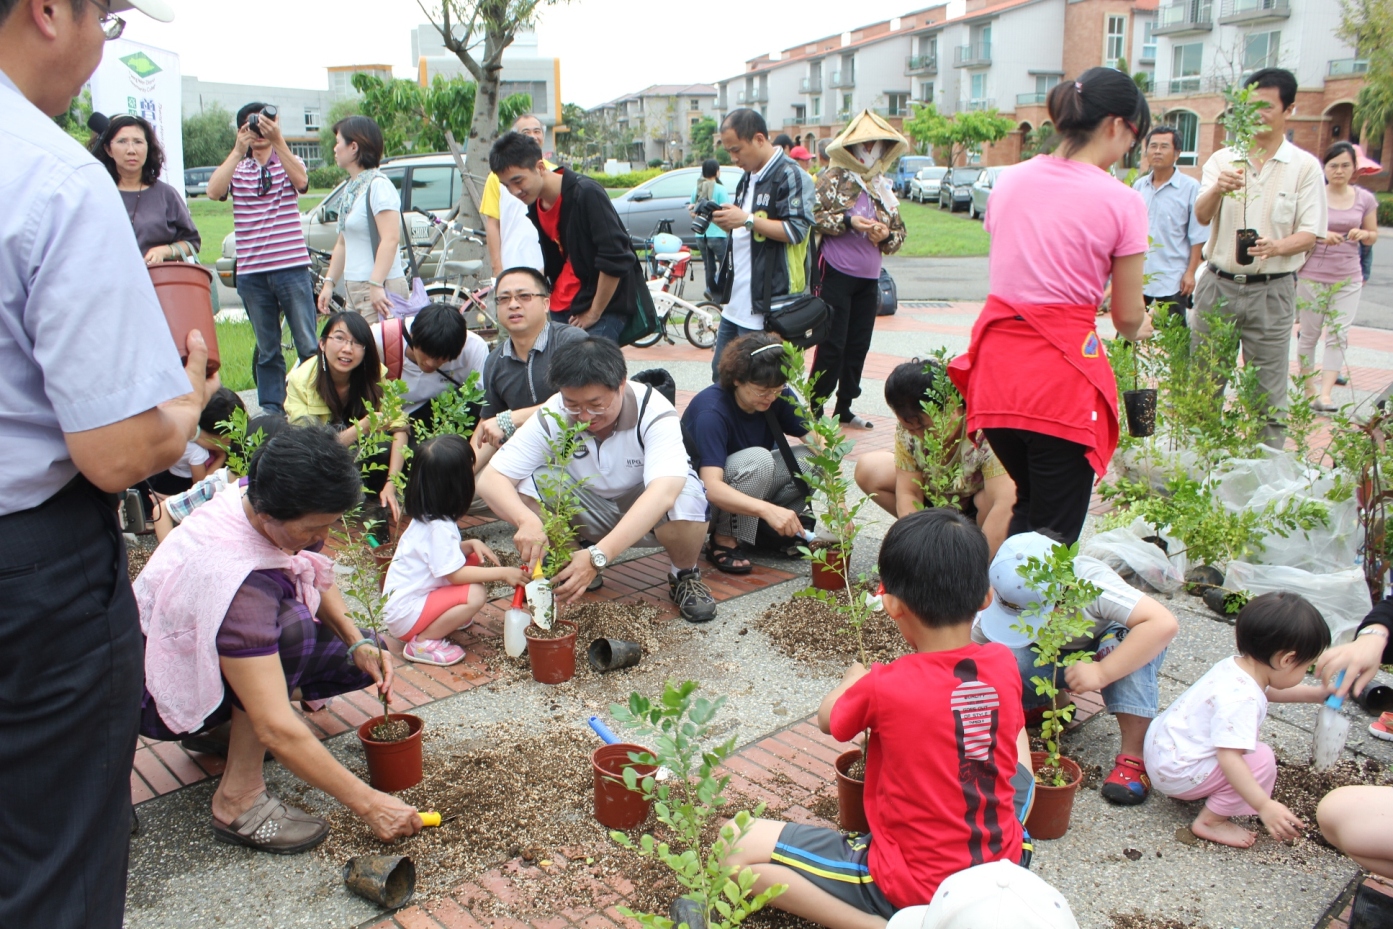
1056	226
1330	264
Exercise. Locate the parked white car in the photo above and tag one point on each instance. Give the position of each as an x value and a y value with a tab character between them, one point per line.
982	190
923	188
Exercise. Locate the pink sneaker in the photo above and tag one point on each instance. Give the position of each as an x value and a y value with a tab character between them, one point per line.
439	652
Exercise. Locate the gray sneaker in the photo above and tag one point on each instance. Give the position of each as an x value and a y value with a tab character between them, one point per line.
693	598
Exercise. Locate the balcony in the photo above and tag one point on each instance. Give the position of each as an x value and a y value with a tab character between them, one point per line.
794	121
977	55
810	85
753	96
893	112
1252	12
984	103
1348	67
1148	55
843	78
921	64
1035	99
1184	85
1184	18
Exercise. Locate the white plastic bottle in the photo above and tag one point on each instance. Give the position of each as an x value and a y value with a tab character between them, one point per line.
514	622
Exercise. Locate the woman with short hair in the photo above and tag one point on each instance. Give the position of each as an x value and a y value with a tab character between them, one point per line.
164	230
737	455
369	274
236	636
339	386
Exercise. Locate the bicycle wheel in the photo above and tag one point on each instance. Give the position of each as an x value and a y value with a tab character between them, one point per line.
702	322
662	306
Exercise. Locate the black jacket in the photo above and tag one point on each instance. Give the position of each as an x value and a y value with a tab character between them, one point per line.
594	239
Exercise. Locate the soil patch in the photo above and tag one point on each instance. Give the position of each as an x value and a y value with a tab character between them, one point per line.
809	630
635	622
138	555
391	731
1301	788
1136	920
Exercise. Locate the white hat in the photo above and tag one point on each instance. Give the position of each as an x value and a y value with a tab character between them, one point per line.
999	895
155	9
1012	595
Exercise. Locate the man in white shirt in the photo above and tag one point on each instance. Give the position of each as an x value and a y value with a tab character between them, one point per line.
639	488
512	239
433	352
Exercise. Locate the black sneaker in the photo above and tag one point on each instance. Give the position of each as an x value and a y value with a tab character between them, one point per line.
693	598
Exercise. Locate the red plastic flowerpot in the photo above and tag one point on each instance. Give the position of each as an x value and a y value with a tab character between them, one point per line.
393	766
616	806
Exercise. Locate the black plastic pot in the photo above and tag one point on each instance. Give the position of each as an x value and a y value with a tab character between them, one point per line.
686	912
387	880
613	654
1141	411
1376	699
1245	240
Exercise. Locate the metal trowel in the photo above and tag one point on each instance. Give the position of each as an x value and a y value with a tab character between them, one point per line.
1332	728
539	597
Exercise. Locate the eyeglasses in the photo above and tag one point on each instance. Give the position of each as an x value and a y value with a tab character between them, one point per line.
523	297
1136	134
574	411
763	392
112	25
338	338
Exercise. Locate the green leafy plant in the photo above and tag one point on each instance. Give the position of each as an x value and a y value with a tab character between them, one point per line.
1243	120
375	432
326	177
944	416
454	411
1063	596
679	727
366	607
559	506
240	446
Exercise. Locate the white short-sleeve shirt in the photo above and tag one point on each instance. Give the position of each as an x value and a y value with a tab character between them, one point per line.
1223	709
357	242
427	554
422	387
194	454
613	465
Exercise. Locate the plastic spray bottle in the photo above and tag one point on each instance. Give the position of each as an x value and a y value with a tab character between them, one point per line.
514	622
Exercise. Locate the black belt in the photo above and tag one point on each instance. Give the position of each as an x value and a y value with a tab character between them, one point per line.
1249	278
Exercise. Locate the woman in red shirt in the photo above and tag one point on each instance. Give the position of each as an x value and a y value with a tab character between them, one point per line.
1036	376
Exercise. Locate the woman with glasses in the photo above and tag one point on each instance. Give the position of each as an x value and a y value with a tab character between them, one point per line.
340	385
730	430
1036	377
164	230
366	255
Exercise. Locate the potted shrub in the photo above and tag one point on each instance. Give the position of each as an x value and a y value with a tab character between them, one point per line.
941	467
1063	595
1139	403
1242	121
678	725
551	640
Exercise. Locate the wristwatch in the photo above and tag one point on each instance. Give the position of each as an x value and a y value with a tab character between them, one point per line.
597	557
749	224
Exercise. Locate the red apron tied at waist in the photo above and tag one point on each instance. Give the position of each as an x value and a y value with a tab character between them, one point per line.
1040	368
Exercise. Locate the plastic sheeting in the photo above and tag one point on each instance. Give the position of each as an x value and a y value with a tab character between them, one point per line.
1127	546
1341	596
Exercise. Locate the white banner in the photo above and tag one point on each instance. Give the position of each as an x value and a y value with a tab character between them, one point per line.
141	80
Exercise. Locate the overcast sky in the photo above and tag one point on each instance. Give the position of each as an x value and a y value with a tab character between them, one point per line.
606	47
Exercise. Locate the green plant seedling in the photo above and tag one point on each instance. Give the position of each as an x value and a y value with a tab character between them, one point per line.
454	411
559	506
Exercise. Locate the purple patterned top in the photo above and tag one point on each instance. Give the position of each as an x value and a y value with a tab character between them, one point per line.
852	253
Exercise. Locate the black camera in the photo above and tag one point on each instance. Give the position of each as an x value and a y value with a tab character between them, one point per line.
702	214
254	120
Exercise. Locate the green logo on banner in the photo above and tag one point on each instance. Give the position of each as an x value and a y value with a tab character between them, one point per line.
141	64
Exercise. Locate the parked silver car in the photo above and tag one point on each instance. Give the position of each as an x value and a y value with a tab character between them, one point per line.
923	188
982	190
666	197
955	193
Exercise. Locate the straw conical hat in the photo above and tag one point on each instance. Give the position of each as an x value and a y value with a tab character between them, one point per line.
867	127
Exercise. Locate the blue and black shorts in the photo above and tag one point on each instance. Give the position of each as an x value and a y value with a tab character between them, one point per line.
835	863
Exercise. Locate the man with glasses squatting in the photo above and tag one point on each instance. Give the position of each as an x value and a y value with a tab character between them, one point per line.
635	484
90	404
273	266
517	378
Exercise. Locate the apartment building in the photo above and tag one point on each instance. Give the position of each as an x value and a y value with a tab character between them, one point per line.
1007	54
656	123
301	112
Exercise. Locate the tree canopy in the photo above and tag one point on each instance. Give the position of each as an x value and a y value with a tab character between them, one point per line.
208	136
415	118
961	133
1368	26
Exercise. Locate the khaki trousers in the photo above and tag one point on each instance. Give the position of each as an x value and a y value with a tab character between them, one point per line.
360	295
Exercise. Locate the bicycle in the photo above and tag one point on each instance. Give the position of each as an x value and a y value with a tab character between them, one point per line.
448	285
677	318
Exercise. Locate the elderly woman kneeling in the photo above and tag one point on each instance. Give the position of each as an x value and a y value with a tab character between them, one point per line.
228	604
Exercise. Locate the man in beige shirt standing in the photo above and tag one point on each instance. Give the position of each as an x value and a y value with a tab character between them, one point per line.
1286	205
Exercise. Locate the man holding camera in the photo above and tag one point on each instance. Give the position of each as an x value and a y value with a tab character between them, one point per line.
265	179
769	224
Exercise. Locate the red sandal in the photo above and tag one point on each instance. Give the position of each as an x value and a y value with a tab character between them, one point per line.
1128	784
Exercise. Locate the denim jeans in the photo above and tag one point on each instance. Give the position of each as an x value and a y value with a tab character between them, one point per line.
267	296
610	326
1137	694
713	252
727	333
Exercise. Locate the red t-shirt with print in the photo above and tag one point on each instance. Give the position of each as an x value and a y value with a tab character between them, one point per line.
938	768
565	287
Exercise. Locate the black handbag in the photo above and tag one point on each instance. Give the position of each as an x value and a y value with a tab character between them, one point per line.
889	295
802	319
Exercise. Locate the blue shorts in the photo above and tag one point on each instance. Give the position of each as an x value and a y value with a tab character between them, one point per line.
833	862
1137	694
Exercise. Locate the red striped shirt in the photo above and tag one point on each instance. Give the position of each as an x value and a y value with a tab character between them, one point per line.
269	235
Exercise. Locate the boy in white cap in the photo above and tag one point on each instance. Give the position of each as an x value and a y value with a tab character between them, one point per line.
943	763
998	895
1129	637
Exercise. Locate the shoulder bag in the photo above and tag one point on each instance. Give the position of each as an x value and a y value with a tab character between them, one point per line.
417	300
800	319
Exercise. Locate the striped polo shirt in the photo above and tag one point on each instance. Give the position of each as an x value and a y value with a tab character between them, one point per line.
269	237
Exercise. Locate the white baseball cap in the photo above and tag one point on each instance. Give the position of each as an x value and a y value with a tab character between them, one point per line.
999	895
1012	595
155	9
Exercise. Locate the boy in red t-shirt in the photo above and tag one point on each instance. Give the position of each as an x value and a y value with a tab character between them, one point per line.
947	735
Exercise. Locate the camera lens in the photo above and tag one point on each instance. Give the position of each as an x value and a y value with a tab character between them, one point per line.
269	112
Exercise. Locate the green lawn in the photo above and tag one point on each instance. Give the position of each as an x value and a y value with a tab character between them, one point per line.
214	221
935	233
236	342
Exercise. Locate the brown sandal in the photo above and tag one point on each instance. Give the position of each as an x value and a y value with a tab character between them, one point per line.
272	826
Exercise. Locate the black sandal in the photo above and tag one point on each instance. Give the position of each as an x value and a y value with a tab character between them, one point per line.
724	558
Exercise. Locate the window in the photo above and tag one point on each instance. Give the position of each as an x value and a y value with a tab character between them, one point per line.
1185	68
308	152
1043	82
311	119
694	103
1188	125
434	188
799	112
673	185
536	89
1114	39
898	105
1260	50
817	107
926	91
1148	40
979	87
846	105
